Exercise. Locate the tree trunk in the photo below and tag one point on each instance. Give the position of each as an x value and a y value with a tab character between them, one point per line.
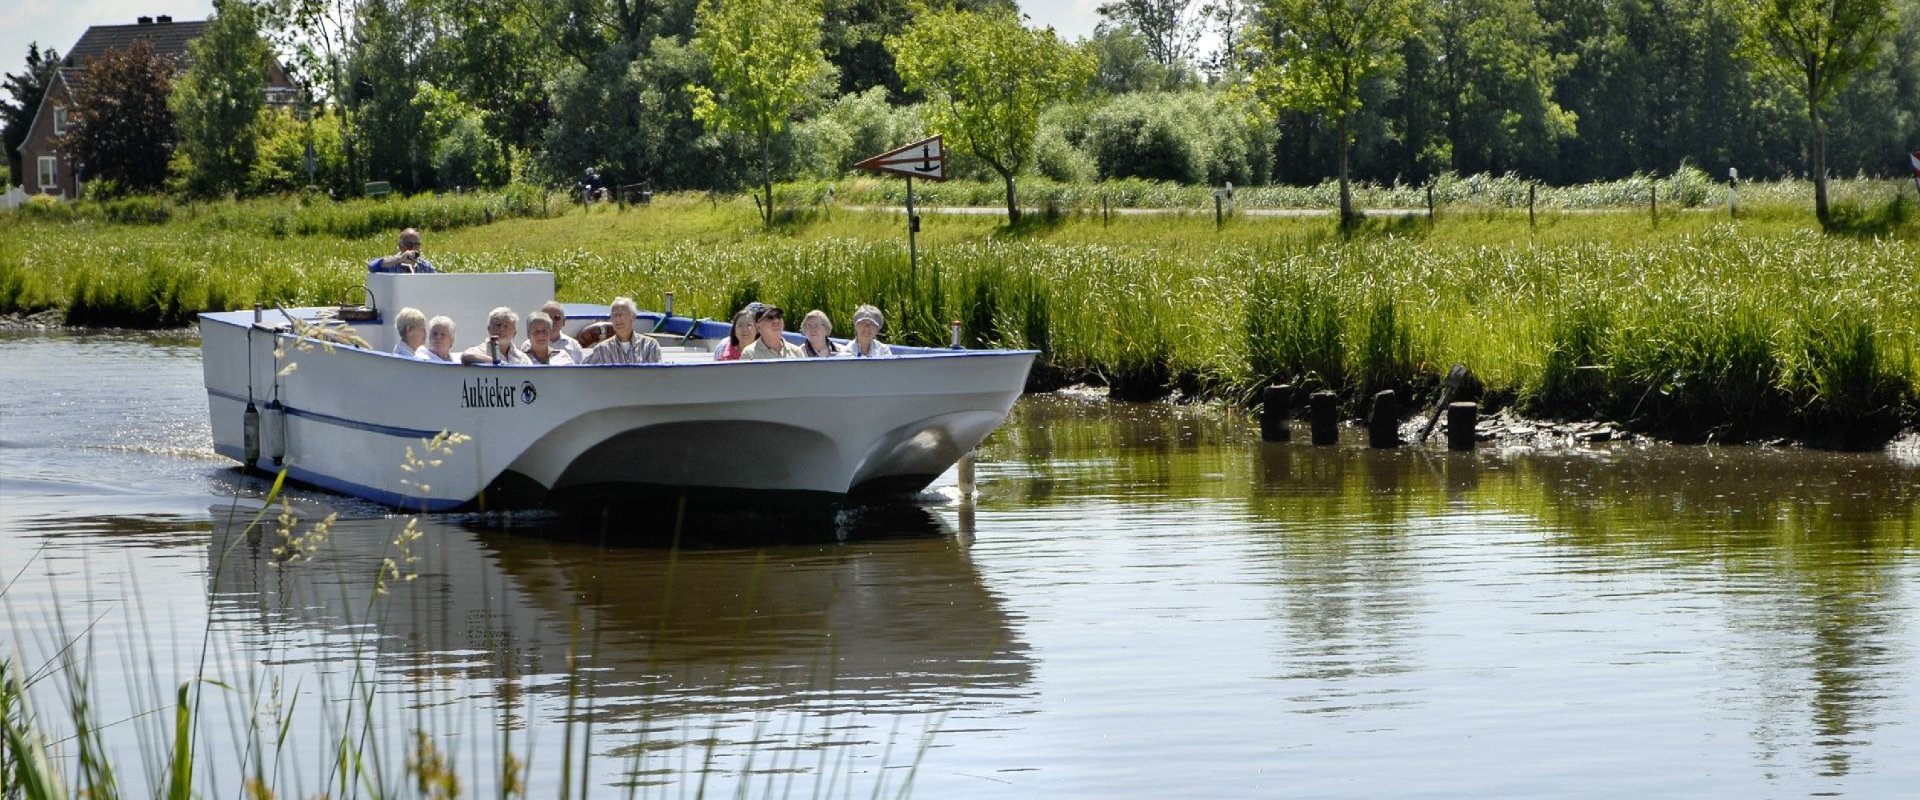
1013	203
766	177
1819	166
1346	192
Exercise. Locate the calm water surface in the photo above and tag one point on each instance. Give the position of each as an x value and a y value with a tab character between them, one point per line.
1144	602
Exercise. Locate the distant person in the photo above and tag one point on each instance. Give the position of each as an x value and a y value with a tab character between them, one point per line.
407	260
540	347
439	346
502	326
771	325
738	338
411	325
816	328
624	347
867	323
561	341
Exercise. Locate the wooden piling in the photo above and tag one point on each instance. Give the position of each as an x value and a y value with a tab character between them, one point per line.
1383	423
1324	414
1461	419
966	475
1273	413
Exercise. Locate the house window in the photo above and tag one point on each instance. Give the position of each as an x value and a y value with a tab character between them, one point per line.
47	166
59	120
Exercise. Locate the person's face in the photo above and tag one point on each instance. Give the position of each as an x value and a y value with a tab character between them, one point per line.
440	340
416	336
502	329
410	247
622	318
865	330
770	329
816	330
743	328
559	317
539	333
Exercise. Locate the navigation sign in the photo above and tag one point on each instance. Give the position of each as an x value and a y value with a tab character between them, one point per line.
1915	158
926	158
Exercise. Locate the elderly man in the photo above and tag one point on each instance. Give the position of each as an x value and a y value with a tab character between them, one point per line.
502	326
624	346
559	340
407	260
771	325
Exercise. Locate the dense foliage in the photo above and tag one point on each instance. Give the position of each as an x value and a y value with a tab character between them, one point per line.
439	94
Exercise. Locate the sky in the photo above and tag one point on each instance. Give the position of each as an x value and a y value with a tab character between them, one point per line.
59	23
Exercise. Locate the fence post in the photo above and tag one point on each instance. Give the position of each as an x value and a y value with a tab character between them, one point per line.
1530	190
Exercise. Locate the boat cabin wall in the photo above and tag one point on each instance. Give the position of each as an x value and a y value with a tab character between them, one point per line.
464	297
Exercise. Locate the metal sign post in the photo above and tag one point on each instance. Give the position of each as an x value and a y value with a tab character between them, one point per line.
926	158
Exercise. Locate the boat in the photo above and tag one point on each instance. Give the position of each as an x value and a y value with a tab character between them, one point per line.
316	393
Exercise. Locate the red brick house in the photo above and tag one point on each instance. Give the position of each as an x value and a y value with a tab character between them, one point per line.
45	170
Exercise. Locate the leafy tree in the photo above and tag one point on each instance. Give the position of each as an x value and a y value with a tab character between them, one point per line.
216	103
1229	20
281	162
318	35
1165	25
385	72
26	89
120	128
987	78
1319	53
1123	65
495	56
1490	84
1817	46
766	61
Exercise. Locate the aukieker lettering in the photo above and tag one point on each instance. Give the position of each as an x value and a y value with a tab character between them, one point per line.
487	393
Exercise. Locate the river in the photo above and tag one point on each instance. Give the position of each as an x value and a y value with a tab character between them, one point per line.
1143	601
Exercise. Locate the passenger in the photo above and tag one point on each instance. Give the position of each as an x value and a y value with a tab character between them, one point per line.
541	347
770	322
738	338
561	341
624	347
439	346
867	323
816	327
411	325
502	326
407	260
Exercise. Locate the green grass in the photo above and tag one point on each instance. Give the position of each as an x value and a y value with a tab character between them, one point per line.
1691	324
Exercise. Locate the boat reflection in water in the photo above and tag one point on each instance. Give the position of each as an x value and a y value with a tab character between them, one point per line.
892	616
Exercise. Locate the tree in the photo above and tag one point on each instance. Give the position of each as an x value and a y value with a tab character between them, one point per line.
1169	34
1229	20
766	61
384	74
987	77
1491	84
1319	53
120	128
318	34
26	89
1817	46
216	103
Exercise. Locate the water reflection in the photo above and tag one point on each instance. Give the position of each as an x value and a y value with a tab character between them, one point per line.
884	621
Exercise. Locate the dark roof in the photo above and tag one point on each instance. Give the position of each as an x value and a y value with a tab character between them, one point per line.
168	38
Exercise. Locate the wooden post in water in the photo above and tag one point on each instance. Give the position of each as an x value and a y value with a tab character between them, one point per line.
1383	423
966	475
1273	413
1461	419
1324	415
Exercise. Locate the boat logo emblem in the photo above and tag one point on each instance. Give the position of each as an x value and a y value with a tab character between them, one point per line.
528	393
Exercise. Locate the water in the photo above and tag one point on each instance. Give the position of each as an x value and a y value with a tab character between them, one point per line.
1144	602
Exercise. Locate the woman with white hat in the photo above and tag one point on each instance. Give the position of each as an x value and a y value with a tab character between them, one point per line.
867	323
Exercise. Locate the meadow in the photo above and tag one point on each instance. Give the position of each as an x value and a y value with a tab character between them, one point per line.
1685	321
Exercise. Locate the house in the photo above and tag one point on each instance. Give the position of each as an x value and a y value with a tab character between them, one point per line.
46	170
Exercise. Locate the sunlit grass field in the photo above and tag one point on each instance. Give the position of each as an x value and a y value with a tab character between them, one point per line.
1687	320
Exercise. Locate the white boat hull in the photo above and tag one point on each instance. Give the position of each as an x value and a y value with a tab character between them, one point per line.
345	419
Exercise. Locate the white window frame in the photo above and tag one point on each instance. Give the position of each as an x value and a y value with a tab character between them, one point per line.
59	120
49	172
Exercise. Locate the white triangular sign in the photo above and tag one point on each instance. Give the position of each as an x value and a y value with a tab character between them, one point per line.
926	158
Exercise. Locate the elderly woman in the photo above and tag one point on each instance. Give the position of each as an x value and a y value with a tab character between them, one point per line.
867	323
411	325
502	326
771	325
541	347
816	327
439	346
738	338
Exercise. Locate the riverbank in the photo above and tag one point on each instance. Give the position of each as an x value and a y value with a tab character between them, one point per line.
1686	326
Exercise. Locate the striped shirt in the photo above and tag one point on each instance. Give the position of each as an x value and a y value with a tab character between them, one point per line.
642	350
